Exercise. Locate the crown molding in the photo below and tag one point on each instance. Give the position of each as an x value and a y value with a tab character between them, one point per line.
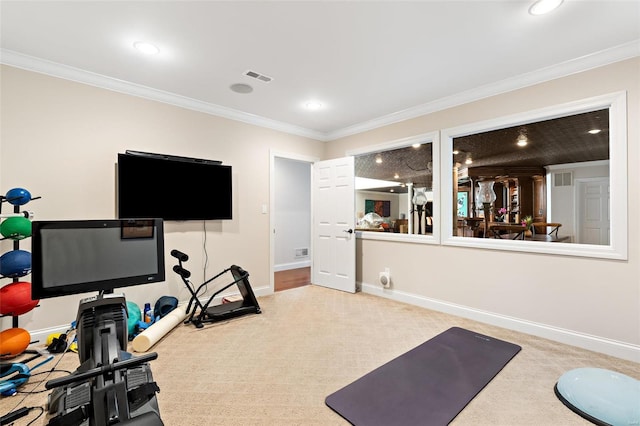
30	63
563	69
584	63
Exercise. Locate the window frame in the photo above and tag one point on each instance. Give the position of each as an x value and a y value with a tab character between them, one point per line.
618	246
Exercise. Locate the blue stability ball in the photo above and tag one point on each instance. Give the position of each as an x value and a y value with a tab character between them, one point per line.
601	396
18	196
15	263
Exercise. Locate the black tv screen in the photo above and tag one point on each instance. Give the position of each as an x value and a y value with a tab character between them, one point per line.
173	188
79	256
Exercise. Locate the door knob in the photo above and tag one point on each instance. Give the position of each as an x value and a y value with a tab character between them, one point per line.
350	231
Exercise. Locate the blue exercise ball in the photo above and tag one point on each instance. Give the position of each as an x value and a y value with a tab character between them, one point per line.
15	263
18	196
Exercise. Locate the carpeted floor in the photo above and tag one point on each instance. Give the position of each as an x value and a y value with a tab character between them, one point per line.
276	368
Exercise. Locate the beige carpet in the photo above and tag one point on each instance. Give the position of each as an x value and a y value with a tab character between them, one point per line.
276	368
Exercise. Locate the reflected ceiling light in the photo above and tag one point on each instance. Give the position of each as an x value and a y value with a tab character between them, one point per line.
456	152
396	176
594	131
544	6
391	190
146	48
378	158
522	137
416	145
468	161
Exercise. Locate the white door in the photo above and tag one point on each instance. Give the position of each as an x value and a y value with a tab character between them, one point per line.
593	210
334	238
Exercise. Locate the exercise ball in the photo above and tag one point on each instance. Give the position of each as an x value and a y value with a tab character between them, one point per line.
134	317
15	298
164	305
13	342
16	228
15	263
18	196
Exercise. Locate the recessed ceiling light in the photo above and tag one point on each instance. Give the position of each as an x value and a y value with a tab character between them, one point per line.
456	152
241	88
594	131
378	158
146	48
522	141
416	145
468	161
544	6
313	105
396	176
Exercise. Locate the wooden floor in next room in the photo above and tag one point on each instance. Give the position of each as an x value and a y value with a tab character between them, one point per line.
292	278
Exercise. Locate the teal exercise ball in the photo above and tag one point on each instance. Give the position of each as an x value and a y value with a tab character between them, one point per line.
134	317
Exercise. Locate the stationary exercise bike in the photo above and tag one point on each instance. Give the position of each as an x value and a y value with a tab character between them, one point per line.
206	312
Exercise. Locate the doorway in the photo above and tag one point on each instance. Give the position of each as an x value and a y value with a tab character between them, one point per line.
291	249
593	221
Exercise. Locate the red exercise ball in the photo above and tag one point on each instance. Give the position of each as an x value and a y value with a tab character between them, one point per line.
15	298
13	342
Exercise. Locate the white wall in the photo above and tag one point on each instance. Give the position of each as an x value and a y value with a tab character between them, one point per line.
60	140
292	212
594	303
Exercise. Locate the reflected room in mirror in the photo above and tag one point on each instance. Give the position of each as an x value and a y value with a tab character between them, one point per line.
542	181
394	190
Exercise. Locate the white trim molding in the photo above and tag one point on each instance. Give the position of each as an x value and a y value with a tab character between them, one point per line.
618	247
66	72
603	345
604	57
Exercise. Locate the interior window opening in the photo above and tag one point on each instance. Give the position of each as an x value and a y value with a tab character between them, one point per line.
545	181
395	190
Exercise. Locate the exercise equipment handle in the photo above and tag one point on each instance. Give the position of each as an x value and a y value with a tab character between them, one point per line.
98	371
181	271
182	257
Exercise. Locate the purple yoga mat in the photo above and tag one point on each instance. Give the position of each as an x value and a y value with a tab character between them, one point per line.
429	385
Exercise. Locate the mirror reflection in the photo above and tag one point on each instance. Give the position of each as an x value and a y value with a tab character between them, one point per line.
543	181
394	190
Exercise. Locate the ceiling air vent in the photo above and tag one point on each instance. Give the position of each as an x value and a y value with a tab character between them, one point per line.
258	76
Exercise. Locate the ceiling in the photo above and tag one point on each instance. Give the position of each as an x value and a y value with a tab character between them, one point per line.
550	142
368	63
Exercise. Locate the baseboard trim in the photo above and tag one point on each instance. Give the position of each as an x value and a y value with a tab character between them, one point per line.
292	265
39	337
603	345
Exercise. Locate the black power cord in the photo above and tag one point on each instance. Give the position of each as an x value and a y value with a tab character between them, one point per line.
11	417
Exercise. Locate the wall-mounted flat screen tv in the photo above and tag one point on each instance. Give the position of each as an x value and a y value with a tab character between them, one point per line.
172	187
